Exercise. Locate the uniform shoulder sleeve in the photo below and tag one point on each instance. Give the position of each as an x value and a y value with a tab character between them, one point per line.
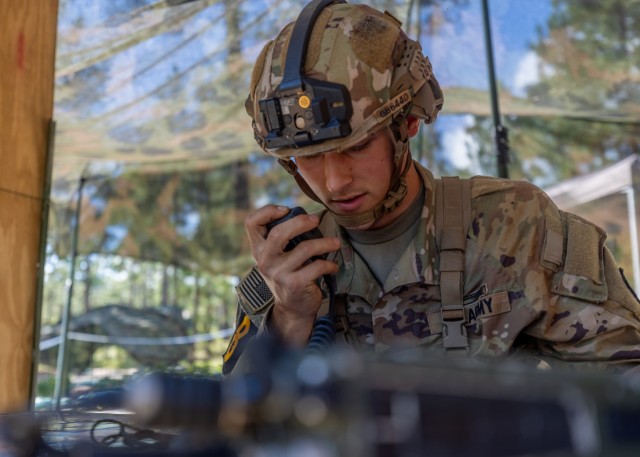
583	309
255	301
592	315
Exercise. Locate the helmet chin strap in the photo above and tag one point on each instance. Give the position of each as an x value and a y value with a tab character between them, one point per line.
397	186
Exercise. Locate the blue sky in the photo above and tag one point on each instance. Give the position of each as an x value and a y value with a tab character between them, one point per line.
458	51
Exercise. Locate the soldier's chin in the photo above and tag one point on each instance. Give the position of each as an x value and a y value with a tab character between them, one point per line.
365	226
343	221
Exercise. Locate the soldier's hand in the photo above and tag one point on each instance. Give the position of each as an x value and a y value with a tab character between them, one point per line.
290	277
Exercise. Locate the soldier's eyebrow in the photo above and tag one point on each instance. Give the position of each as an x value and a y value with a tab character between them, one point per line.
361	145
364	143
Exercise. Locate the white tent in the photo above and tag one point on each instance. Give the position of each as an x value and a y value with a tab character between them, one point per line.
593	189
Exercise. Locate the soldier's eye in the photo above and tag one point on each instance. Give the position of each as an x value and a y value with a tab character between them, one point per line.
362	146
308	159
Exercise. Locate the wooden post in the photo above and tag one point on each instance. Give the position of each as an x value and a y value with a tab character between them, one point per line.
27	56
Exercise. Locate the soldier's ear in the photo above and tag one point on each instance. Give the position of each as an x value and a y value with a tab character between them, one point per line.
413	125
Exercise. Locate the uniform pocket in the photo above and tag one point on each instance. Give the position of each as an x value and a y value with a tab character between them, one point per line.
582	274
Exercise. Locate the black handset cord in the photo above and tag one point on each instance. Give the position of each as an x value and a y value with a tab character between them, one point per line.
323	334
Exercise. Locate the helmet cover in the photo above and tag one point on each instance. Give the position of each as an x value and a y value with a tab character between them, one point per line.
384	71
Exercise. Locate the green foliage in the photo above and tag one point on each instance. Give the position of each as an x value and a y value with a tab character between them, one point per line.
206	300
113	357
45	387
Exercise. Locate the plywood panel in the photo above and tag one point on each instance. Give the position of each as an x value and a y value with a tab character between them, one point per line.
27	56
19	241
27	53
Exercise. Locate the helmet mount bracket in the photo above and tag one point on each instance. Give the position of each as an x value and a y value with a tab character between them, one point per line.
303	111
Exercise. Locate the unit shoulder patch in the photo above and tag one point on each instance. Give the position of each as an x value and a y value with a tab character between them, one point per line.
245	330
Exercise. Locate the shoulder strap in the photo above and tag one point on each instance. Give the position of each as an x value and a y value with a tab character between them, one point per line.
453	216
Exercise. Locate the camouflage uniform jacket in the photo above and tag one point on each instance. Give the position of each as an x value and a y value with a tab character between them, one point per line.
535	279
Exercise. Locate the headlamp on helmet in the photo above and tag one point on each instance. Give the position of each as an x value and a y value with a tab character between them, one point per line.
303	111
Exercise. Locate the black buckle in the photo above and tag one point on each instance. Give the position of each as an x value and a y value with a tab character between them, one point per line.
454	333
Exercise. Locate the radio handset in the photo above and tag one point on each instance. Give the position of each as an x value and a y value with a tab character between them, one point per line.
296	240
323	334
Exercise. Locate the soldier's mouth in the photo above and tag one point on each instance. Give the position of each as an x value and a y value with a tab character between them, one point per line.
348	205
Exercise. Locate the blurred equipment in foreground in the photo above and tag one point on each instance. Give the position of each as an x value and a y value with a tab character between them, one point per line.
343	403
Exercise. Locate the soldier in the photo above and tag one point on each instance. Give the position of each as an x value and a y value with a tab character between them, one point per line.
483	267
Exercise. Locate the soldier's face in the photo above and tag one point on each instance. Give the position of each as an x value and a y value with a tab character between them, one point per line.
353	181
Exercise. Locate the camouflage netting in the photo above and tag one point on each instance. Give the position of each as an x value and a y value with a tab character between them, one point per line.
149	110
123	321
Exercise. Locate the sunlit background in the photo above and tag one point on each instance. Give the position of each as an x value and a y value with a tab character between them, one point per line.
155	166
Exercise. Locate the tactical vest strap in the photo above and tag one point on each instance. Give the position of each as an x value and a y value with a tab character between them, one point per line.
453	216
341	320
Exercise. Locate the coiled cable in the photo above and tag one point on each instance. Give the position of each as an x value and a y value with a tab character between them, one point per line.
323	334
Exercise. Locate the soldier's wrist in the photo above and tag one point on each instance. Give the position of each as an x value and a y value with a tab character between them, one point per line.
292	329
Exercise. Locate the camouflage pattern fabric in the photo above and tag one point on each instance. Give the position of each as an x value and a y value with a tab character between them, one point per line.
538	282
363	49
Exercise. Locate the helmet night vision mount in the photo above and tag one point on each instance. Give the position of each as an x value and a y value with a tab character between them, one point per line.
303	111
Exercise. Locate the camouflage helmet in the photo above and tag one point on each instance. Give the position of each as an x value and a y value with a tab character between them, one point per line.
384	73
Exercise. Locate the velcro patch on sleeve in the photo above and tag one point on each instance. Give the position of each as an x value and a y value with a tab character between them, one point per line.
254	292
585	244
